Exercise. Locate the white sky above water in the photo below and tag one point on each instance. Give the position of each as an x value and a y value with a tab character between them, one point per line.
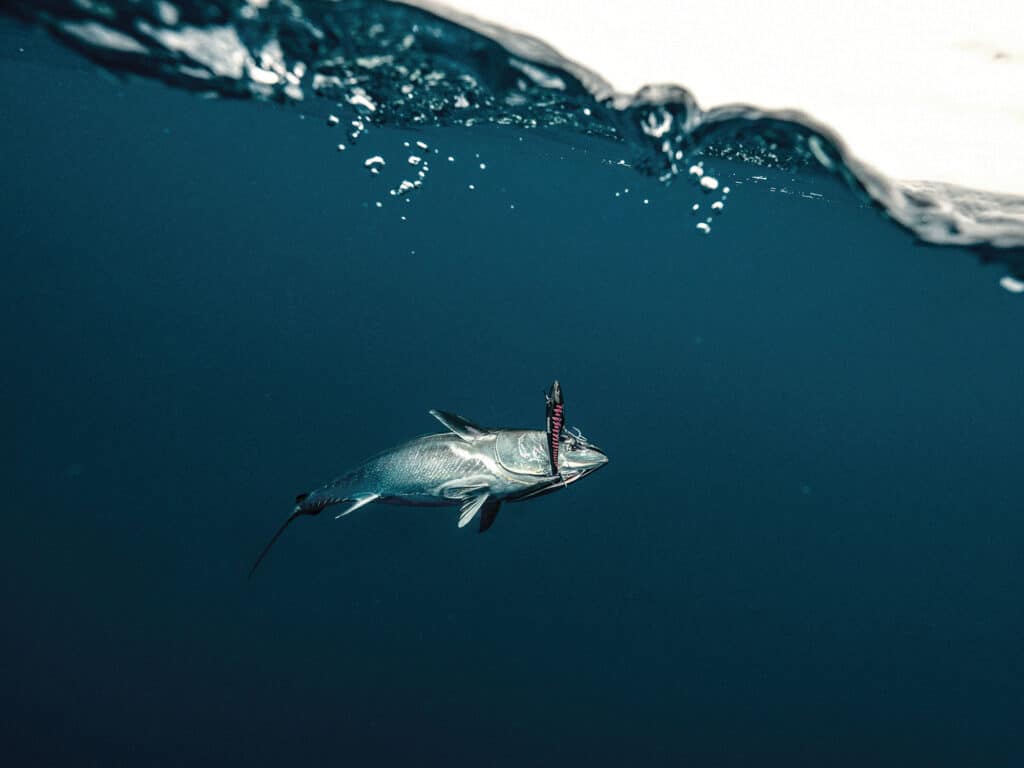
930	91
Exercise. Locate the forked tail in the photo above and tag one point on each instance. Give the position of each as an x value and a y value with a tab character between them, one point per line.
314	504
299	510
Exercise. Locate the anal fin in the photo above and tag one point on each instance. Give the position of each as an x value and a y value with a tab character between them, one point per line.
358	500
488	513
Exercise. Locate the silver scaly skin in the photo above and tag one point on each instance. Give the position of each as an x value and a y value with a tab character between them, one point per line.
470	467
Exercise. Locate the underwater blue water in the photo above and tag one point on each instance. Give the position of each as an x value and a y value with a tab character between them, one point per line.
805	549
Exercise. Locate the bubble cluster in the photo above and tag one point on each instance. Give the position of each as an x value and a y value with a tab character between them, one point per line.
417	156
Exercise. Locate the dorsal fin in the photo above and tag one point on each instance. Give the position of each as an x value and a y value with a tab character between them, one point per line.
465	429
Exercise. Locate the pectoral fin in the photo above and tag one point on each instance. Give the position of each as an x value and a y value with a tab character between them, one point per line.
462	493
464	428
488	513
358	500
469	509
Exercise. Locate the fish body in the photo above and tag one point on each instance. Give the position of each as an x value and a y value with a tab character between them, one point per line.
471	467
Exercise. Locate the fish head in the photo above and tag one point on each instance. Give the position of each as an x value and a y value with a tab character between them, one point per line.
578	457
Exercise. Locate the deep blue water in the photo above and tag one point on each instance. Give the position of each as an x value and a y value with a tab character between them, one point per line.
806	549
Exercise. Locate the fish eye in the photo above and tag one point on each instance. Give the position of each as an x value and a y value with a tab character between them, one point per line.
574	440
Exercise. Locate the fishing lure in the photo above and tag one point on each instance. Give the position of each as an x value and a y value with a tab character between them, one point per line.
555	422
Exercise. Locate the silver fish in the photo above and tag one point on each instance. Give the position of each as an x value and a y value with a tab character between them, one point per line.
468	466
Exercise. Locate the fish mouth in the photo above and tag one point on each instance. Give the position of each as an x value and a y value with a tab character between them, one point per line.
571	476
579	474
560	481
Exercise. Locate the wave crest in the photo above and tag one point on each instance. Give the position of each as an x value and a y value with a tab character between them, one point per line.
418	64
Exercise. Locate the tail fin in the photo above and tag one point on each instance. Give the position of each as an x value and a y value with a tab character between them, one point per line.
298	511
304	505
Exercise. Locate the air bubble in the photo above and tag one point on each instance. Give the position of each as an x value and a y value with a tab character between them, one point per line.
1012	284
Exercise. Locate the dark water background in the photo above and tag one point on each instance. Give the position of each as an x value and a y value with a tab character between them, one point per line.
806	549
